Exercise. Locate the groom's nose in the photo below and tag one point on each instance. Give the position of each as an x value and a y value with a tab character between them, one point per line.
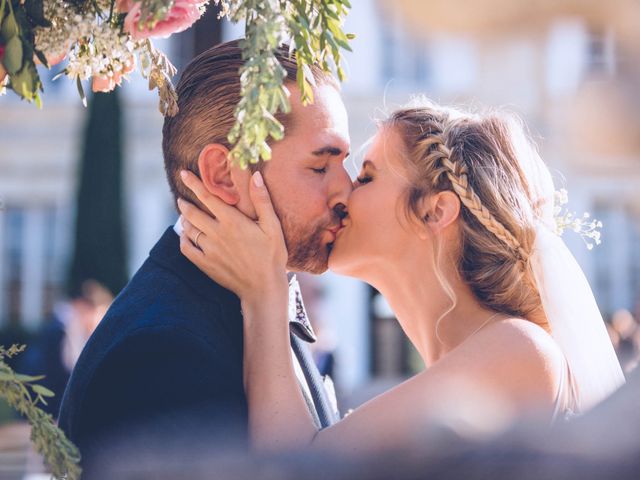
340	188
340	210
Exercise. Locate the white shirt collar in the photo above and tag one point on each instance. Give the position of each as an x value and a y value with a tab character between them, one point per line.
177	227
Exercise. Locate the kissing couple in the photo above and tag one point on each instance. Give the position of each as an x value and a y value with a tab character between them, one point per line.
451	218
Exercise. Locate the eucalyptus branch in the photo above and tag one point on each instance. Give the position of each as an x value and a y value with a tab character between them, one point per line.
262	91
22	394
315	30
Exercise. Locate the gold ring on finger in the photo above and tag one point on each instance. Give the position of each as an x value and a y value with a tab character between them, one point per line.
196	239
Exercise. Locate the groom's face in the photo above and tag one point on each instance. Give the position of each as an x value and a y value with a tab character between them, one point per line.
308	183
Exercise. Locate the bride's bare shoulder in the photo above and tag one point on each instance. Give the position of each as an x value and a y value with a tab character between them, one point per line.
516	356
517	329
516	340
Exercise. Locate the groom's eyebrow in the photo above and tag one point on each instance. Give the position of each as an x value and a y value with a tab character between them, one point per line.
329	150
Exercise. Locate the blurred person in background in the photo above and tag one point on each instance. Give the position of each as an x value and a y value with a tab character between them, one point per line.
56	347
452	219
323	349
625	336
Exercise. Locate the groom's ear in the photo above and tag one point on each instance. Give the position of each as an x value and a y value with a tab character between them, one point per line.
215	172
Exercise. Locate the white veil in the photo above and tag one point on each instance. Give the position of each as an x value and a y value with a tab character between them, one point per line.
571	310
575	320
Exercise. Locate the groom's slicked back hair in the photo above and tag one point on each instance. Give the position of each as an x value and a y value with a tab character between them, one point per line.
208	93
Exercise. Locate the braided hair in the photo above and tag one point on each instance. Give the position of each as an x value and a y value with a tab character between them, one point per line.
475	156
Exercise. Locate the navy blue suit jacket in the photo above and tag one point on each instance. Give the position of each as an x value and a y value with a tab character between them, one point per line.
164	366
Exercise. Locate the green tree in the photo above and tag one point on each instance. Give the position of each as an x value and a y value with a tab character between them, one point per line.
99	251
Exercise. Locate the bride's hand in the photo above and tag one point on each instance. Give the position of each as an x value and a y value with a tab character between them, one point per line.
246	256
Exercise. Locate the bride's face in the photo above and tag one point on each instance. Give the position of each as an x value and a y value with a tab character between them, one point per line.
375	230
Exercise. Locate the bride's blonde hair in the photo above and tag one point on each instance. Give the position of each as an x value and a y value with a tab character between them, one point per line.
504	189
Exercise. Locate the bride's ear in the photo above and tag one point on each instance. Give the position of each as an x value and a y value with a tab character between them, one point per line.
440	210
215	172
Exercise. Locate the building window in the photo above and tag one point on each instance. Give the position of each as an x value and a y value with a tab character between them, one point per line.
601	52
30	264
404	58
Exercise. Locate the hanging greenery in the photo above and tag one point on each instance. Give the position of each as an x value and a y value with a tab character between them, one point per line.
105	41
24	395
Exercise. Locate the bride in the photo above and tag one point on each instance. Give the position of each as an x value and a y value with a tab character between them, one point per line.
452	220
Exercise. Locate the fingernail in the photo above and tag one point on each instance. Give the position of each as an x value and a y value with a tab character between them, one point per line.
257	179
183	174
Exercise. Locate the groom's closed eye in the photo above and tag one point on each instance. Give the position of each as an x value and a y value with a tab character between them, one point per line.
325	153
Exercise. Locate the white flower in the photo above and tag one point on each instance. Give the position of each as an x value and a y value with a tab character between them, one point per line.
584	226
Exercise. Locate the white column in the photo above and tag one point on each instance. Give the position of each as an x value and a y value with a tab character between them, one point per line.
33	267
346	312
3	273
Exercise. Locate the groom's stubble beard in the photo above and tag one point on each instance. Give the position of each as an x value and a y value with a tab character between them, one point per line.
307	251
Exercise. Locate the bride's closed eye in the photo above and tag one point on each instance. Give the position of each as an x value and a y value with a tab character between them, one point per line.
363	179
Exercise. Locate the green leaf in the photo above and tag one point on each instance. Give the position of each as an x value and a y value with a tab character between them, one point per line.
41	57
35	11
28	378
58	75
26	82
83	97
13	55
6	377
9	27
40	390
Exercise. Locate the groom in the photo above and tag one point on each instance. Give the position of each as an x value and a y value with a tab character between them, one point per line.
163	371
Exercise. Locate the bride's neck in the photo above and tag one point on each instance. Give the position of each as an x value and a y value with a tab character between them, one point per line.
419	300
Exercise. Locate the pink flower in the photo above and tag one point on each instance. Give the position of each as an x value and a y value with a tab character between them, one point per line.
183	14
108	83
105	84
53	60
123	6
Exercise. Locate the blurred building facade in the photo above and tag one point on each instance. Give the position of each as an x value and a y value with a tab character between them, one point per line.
572	78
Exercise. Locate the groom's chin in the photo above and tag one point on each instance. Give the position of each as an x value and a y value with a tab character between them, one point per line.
310	260
312	266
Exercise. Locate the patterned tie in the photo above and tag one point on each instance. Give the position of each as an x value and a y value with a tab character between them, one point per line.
298	321
302	333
